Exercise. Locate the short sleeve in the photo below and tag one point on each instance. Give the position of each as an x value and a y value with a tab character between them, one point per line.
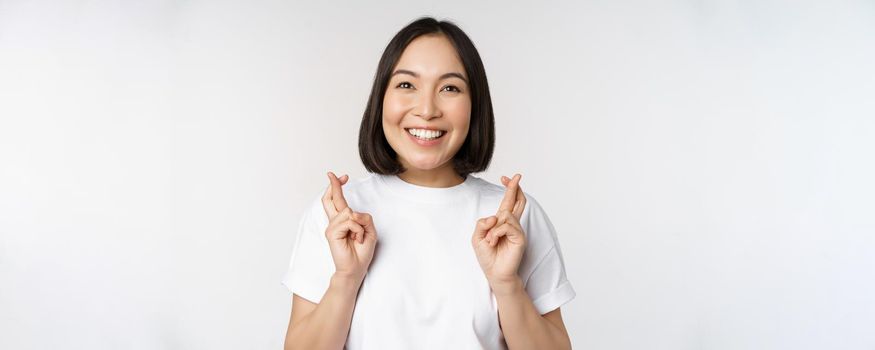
543	269
311	266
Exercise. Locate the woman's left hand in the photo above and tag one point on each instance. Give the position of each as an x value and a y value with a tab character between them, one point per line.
499	240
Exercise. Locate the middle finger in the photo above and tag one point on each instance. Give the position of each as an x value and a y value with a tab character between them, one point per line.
510	199
337	193
520	203
327	203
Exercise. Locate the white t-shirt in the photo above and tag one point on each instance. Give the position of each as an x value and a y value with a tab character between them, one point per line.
424	288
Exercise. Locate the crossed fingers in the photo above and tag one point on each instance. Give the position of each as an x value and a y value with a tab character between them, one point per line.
334	204
514	199
333	201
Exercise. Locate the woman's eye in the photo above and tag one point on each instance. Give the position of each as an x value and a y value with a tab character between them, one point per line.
404	84
453	88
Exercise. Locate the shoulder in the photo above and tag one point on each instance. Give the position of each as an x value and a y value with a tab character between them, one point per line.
536	222
491	192
362	193
495	192
484	186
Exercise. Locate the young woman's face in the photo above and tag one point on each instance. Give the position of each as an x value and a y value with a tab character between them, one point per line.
427	90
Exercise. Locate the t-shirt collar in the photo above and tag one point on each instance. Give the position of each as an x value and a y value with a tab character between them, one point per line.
424	193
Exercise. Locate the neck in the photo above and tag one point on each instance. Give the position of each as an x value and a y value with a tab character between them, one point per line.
441	177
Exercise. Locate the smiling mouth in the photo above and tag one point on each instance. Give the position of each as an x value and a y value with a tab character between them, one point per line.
426	135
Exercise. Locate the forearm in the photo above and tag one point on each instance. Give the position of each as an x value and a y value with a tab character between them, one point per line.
327	326
522	325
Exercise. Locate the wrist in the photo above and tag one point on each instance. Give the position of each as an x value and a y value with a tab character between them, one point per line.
346	281
506	286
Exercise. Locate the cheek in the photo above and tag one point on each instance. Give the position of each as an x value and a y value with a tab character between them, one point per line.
459	113
393	109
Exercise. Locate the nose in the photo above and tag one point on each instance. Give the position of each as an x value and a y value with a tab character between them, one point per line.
427	109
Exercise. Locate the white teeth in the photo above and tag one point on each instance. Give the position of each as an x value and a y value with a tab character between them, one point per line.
426	134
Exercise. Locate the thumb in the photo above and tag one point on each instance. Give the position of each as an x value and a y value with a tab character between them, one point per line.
367	222
483	226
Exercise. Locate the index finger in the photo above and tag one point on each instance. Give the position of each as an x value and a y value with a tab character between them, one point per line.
337	193
510	194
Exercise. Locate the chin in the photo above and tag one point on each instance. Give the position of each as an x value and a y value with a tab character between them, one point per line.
419	166
426	164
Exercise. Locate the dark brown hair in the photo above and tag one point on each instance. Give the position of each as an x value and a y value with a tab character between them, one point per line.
476	152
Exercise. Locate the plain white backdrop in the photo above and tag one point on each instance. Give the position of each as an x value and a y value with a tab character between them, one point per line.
707	164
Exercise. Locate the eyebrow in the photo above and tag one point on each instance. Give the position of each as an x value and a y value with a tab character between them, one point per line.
442	77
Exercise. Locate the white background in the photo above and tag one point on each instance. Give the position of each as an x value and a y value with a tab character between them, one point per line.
707	164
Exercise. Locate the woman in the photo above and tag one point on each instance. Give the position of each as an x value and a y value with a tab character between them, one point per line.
461	263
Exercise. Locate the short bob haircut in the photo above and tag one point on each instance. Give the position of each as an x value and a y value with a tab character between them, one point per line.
476	152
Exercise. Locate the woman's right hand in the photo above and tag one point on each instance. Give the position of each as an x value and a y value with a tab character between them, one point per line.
351	235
